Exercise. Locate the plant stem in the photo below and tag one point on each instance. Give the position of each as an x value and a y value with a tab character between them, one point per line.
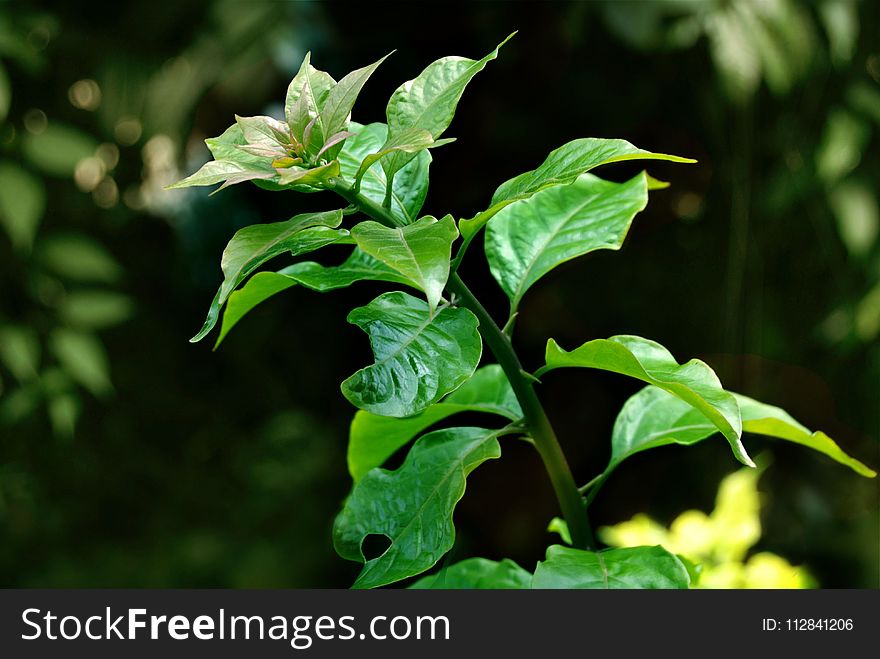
540	429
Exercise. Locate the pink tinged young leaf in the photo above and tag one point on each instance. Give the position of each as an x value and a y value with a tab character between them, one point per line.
334	140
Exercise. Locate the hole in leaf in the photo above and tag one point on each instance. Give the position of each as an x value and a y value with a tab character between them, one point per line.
374	545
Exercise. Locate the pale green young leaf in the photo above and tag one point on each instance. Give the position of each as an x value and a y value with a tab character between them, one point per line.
373	438
693	382
569	161
429	100
420	357
653	418
628	568
412	506
314	86
341	98
410	185
477	573
528	238
263	285
409	140
420	251
298	177
254	245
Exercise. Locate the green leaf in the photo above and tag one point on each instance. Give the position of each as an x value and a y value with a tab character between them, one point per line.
530	237
95	309
429	100
79	258
474	573
83	358
58	148
263	285
412	506
653	418
254	245
232	164
342	97
20	351
410	185
632	567
420	357
420	251
373	439
569	161
693	382
409	140
314	177
5	93
22	204
314	86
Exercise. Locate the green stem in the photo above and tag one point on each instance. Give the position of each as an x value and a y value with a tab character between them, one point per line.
540	429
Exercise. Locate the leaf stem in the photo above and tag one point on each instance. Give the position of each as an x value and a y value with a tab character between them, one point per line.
540	429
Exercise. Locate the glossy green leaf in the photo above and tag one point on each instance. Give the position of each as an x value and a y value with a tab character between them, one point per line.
420	357
314	86
477	573
410	185
83	358
653	418
341	99
373	439
429	100
22	204
693	382
263	285
569	161
528	238
412	506
632	567
420	251
409	140
254	245
20	351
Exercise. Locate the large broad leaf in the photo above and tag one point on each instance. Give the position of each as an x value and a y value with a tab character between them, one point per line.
231	164
420	357
429	100
254	245
569	161
653	417
306	96
358	266
410	186
530	237
420	251
480	573
632	567
693	382
341	98
412	506
373	439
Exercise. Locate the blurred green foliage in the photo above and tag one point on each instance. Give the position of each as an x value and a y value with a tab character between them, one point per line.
129	457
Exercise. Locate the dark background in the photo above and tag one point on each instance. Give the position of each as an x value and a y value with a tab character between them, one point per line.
196	468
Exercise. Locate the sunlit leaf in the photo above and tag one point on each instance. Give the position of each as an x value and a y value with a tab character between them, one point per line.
373	438
57	149
420	251
420	357
314	86
95	309
633	567
412	506
693	382
477	573
79	258
254	245
654	417
528	238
